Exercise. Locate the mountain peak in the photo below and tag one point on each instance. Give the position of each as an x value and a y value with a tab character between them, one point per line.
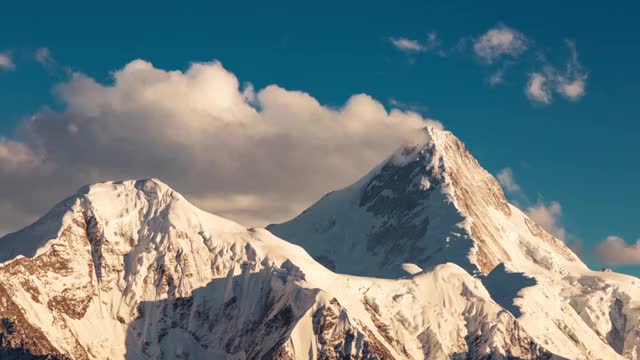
116	205
131	269
450	161
135	272
152	187
430	202
428	138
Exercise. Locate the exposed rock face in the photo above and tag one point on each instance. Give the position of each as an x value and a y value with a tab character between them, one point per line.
18	338
339	339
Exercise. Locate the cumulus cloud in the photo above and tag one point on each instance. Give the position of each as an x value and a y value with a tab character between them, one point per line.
498	42
257	156
6	61
548	216
616	251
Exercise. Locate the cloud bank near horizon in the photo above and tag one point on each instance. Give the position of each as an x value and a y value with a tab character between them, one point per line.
253	156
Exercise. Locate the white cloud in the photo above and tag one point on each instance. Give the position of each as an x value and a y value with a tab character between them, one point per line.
408	45
6	62
220	144
548	216
538	88
500	41
573	89
570	83
616	251
507	180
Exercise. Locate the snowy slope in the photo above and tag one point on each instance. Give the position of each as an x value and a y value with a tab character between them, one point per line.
431	203
133	271
431	262
427	204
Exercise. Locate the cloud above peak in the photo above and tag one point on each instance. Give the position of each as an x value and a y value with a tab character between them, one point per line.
219	142
498	42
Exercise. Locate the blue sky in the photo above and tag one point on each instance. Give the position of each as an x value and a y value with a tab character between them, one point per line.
581	153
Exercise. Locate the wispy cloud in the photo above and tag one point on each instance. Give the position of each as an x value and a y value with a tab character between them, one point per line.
405	44
549	217
498	42
546	214
432	42
502	47
499	73
6	61
614	250
570	83
497	77
413	107
507	180
44	57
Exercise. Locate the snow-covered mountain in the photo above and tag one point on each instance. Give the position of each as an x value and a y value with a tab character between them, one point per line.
430	262
132	270
429	203
432	203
